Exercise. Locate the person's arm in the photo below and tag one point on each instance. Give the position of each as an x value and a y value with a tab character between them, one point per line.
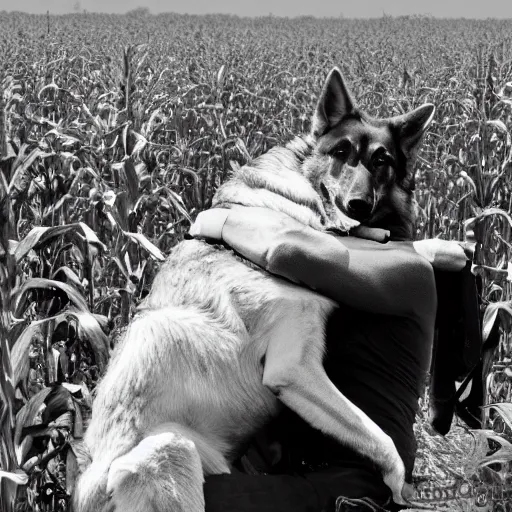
448	255
382	278
388	279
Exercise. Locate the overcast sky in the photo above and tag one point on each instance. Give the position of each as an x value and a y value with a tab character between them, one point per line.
352	8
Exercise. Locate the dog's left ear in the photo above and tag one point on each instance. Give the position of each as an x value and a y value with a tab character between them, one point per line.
412	126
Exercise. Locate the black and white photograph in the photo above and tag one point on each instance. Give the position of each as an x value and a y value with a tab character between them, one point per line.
255	256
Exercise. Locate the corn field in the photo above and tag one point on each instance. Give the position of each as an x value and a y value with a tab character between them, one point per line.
115	132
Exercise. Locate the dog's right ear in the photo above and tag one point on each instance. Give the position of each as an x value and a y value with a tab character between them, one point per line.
334	104
412	126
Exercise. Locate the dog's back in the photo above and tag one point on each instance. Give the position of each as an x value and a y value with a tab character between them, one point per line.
190	360
192	354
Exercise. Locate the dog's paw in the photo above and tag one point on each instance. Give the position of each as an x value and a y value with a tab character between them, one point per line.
399	489
394	478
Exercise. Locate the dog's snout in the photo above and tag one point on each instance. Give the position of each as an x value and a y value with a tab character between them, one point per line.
359	209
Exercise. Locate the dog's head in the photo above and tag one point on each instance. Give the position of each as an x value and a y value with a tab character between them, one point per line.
362	167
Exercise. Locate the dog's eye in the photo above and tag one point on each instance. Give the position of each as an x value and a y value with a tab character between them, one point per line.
381	160
343	150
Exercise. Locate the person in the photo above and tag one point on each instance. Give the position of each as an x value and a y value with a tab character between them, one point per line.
379	346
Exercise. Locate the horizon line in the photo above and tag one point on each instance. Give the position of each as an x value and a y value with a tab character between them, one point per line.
148	12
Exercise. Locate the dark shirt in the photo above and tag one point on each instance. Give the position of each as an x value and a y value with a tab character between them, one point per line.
379	363
378	352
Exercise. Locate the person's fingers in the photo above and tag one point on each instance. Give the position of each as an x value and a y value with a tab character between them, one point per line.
376	234
469	249
442	254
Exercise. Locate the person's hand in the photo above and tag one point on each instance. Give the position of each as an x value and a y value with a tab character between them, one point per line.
253	232
447	255
209	223
375	234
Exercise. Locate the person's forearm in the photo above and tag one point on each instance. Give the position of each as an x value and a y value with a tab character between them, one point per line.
265	237
250	231
308	257
383	278
386	279
270	239
256	233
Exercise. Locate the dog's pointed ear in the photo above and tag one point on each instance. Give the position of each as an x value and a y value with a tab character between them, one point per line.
412	126
335	103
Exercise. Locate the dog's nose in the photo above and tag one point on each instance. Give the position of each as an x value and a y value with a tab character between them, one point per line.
359	209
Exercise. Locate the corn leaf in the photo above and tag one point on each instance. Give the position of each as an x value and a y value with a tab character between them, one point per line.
39	236
141	240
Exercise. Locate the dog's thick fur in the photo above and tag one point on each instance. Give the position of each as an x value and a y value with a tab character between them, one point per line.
219	344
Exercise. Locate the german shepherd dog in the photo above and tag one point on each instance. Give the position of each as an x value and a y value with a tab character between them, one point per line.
219	345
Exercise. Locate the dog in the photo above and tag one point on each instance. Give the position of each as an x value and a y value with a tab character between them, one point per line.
219	345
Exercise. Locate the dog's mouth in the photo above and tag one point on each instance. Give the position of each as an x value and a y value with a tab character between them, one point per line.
345	213
337	221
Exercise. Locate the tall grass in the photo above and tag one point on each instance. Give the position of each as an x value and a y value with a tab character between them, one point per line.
116	130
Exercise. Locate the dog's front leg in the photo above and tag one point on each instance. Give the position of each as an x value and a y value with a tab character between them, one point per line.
294	372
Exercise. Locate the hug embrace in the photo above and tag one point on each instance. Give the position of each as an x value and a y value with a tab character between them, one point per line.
277	362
